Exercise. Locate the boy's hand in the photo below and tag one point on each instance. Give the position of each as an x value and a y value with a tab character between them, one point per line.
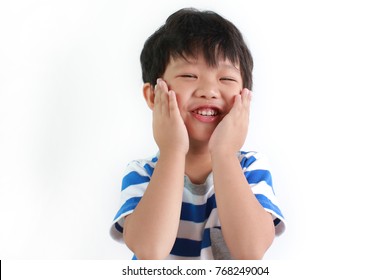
230	134
169	130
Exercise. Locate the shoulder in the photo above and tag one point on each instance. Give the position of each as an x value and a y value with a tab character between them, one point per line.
138	171
145	165
251	159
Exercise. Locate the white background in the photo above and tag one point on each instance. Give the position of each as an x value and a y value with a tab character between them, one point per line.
72	116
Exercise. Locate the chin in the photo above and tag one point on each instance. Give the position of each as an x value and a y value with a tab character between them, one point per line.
200	140
201	135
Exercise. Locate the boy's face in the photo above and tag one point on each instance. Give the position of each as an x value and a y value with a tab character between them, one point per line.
205	94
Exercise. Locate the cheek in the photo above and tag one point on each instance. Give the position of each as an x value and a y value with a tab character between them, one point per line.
230	106
230	95
182	94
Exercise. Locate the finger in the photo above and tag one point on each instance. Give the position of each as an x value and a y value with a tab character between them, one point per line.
163	85
163	95
237	104
246	98
173	106
157	96
165	103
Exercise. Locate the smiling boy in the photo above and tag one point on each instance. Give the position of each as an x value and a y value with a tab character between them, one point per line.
200	197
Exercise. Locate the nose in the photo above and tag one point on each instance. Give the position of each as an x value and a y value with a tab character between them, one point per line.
207	90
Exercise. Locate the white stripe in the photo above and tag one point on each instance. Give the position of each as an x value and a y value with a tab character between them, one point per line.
133	191
206	254
213	220
263	188
190	230
138	166
189	197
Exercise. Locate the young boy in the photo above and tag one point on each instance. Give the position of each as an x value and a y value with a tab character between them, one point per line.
200	197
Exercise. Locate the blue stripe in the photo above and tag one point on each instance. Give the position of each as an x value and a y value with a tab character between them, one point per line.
133	178
246	162
191	248
129	205
206	240
266	203
256	176
118	227
149	169
186	247
197	213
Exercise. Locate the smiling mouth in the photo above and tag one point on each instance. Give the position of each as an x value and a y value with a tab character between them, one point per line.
206	112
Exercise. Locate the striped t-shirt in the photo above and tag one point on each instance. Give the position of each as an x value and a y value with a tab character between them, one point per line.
199	234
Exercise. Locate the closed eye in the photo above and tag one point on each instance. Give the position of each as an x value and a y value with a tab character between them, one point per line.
189	76
228	79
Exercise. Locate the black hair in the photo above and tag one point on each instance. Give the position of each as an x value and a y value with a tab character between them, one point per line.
188	32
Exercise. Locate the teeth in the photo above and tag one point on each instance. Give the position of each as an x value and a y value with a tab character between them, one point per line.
208	112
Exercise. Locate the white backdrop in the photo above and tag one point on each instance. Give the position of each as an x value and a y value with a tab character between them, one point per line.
72	116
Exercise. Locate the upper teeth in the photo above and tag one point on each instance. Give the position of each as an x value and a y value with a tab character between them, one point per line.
208	112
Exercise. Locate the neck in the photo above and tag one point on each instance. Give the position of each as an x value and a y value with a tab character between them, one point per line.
198	163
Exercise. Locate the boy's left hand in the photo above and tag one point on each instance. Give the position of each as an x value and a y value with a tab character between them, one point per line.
230	134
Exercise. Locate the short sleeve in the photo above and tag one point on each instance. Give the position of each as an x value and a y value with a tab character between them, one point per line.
256	170
134	183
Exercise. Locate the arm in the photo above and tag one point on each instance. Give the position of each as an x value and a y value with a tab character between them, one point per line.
247	228
150	231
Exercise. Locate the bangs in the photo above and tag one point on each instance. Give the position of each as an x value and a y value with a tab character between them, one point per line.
212	50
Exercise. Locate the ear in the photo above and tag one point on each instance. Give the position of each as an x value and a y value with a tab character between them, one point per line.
149	94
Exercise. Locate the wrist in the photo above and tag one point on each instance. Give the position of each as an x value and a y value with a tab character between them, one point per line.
222	153
173	154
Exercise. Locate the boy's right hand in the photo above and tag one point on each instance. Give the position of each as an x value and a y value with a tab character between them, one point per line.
169	130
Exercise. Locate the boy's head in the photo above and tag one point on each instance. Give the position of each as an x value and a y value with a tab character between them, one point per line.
189	32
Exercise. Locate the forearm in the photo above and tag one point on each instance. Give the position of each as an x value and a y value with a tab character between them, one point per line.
150	231
247	228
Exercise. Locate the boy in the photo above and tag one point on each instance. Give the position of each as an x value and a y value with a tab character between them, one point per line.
199	197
